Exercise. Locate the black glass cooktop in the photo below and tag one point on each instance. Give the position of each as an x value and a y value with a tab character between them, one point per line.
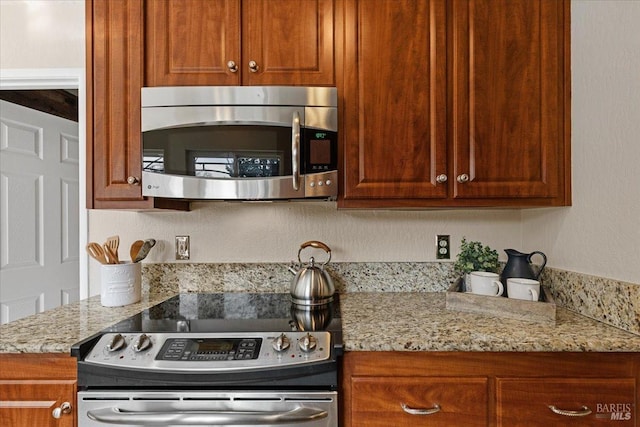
232	312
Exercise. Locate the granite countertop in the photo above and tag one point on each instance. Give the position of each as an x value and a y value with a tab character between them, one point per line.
419	321
372	321
56	330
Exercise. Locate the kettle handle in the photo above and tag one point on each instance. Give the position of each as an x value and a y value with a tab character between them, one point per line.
318	245
544	261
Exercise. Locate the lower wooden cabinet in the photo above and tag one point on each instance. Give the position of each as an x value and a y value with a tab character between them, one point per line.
37	390
401	401
490	389
547	402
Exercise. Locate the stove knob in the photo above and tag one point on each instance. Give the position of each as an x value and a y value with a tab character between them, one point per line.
307	343
142	343
117	343
281	343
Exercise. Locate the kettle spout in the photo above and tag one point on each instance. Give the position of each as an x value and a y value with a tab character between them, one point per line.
292	268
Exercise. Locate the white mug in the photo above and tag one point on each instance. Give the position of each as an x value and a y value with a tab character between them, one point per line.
525	289
485	283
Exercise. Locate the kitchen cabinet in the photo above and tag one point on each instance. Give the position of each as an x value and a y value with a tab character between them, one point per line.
394	110
543	402
490	389
114	82
400	401
239	42
37	390
456	103
186	42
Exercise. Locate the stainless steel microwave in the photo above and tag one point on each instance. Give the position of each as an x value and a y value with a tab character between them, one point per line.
239	143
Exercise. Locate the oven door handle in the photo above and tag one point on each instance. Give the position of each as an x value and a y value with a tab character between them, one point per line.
211	418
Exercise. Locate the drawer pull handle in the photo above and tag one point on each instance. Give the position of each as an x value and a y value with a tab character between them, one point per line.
583	412
420	411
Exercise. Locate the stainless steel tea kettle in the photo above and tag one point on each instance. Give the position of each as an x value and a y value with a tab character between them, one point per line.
312	285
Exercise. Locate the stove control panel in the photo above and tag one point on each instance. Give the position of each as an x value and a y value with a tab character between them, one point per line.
210	352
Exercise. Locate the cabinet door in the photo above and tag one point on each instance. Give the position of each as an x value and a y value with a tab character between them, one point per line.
575	402
115	80
190	42
114	83
510	89
394	100
418	401
290	41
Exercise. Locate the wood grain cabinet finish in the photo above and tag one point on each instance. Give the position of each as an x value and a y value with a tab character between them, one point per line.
456	103
559	402
394	100
114	81
490	389
239	42
411	401
509	111
33	386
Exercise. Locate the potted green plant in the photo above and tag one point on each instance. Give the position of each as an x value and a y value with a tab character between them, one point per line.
474	256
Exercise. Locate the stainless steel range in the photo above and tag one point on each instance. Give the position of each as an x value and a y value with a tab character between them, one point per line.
215	360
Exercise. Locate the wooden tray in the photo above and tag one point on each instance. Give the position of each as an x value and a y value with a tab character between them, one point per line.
543	311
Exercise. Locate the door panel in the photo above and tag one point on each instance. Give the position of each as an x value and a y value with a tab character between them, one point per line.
39	204
507	110
291	42
190	42
395	80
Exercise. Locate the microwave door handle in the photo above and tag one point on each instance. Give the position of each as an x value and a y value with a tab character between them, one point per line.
295	150
207	418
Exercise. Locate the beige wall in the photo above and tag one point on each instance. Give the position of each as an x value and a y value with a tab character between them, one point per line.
42	34
599	235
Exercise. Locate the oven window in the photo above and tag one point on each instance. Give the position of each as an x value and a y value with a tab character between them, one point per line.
222	151
241	165
153	161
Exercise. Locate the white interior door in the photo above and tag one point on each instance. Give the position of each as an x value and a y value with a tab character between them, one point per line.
39	209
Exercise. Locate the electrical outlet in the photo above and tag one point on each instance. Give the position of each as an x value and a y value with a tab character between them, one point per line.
182	247
443	247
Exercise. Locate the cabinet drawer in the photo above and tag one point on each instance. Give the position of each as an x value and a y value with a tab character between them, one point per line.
378	401
527	402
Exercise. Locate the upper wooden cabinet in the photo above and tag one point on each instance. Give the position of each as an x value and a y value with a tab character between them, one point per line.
394	91
239	42
510	100
456	103
114	81
443	103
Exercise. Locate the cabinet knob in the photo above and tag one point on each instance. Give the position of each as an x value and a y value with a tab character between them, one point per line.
133	180
65	408
253	66
463	178
441	179
583	412
232	66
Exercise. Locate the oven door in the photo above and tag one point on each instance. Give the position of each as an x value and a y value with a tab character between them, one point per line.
202	408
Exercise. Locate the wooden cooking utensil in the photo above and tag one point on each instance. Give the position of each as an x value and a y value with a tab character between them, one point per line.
96	251
135	248
144	250
114	243
112	257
